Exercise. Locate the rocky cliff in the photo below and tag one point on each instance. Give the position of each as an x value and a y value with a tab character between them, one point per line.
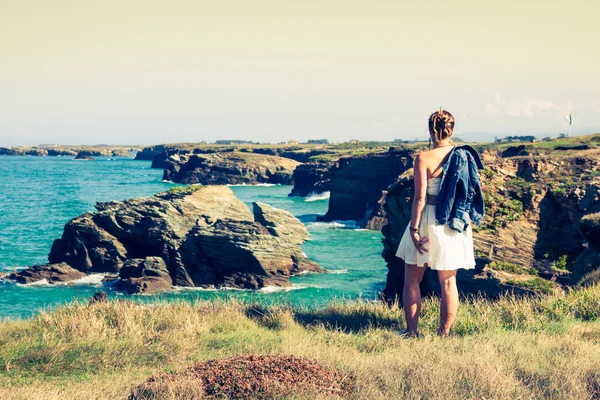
197	236
229	168
312	178
359	182
531	237
61	151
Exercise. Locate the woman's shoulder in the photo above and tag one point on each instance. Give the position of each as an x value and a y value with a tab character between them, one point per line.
424	155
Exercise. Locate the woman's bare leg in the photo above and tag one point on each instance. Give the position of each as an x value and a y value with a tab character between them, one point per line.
411	296
449	297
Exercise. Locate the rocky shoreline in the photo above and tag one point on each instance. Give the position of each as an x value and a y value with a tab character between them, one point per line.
200	236
231	168
539	234
77	151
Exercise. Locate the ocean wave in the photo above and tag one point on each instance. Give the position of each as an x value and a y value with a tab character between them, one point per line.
196	289
254	184
317	196
350	224
166	181
275	289
91	280
42	282
337	271
304	272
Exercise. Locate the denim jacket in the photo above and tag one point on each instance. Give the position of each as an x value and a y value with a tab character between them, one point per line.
460	199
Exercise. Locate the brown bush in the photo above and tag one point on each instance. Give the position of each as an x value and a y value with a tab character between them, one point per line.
253	376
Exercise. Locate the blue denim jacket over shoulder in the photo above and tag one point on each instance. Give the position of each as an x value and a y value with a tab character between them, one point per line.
460	199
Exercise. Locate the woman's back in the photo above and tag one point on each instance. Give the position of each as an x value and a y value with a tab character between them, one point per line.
433	160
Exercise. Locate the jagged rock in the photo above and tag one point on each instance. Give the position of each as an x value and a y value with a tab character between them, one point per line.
312	178
120	153
22	151
203	235
304	155
357	183
98	297
61	152
229	168
521	150
244	254
52	273
590	227
10	151
158	161
280	223
588	261
84	155
530	222
148	153
149	275
92	153
579	147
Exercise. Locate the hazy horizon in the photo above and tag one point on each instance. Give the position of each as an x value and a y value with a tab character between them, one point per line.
133	72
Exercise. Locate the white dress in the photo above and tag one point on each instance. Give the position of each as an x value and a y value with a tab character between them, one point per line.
448	249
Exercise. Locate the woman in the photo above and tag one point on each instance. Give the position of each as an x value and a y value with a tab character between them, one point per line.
447	199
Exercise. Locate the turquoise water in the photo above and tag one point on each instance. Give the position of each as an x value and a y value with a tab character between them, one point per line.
39	195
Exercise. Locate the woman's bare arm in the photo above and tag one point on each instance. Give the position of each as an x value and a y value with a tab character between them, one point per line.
419	201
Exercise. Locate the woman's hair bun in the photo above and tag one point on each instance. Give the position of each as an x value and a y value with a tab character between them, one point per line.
441	124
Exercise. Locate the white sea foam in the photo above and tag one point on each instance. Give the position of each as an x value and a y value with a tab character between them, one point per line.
275	289
334	224
42	282
337	271
304	273
193	289
255	184
91	280
317	196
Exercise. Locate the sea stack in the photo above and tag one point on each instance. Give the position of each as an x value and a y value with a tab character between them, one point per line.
200	236
233	168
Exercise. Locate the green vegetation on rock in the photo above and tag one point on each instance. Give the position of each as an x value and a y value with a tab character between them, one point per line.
512	268
590	227
537	284
184	190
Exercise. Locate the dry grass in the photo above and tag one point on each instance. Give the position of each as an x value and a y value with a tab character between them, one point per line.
546	347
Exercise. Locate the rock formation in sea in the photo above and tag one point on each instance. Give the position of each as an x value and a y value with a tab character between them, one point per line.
312	178
23	151
55	151
357	184
201	236
51	273
533	234
229	168
84	155
160	153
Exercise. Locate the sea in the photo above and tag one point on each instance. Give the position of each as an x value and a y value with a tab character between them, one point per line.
39	195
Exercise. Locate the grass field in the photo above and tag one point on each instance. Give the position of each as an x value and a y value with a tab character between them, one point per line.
544	347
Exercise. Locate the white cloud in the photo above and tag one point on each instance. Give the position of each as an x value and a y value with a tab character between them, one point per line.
527	108
376	125
491	109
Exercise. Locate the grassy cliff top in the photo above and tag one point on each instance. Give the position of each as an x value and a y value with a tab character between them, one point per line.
541	347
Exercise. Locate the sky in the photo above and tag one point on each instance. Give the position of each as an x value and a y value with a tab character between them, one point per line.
158	71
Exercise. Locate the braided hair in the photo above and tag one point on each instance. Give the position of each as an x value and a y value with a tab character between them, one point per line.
441	125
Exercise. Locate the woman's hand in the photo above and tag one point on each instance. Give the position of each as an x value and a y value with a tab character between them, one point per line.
419	242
